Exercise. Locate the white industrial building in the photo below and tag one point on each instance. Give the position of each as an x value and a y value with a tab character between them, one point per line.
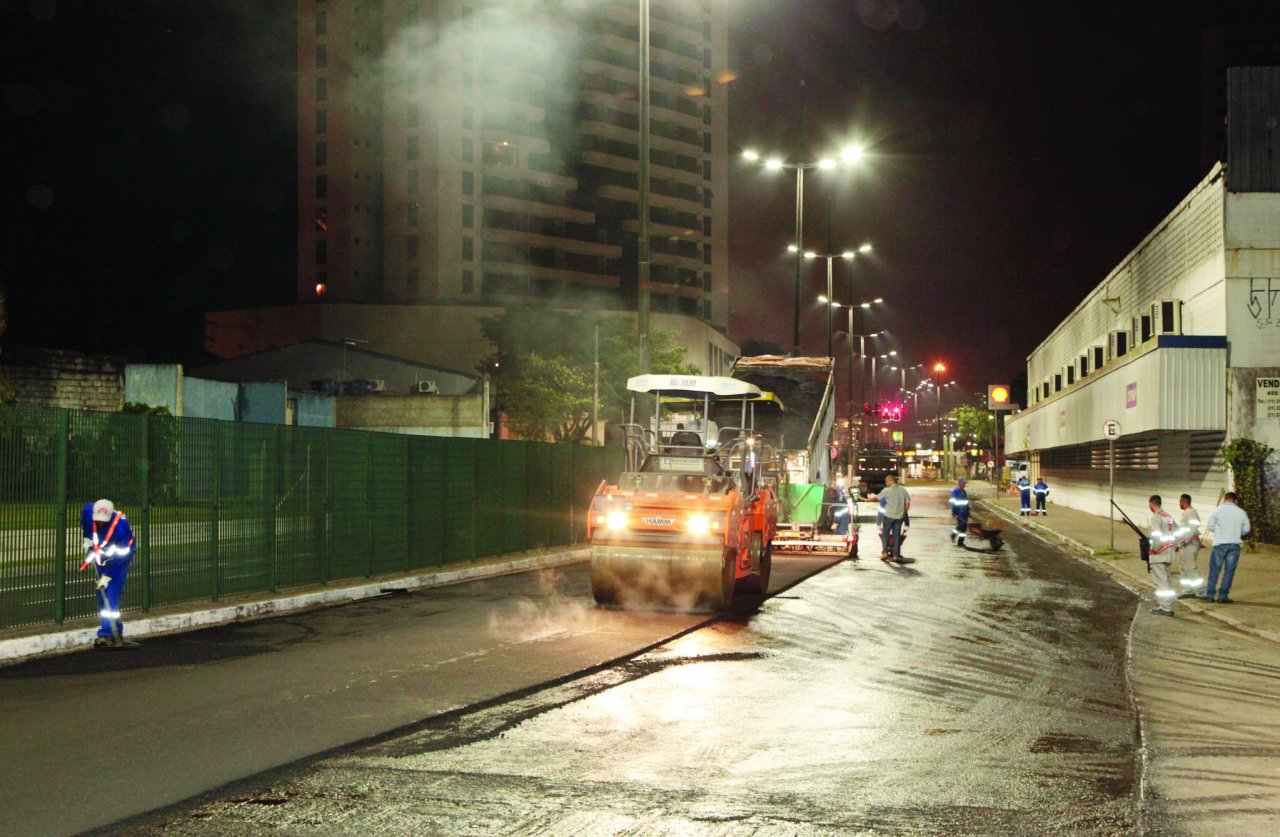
1179	344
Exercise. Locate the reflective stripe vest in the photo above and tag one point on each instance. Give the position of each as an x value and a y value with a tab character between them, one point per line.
1162	528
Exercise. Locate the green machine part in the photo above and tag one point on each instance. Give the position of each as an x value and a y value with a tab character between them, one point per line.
801	502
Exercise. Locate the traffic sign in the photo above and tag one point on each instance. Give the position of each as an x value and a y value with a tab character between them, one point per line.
1111	430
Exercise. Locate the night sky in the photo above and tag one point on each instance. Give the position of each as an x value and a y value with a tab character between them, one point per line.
1017	151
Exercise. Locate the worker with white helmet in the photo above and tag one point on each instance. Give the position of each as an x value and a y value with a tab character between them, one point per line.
109	545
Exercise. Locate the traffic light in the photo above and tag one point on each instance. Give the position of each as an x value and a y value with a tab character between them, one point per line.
998	397
866	408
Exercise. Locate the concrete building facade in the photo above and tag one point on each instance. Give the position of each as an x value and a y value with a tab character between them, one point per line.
1180	345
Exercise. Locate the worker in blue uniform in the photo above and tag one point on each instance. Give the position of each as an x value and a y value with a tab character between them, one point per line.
109	545
1041	490
1023	487
960	511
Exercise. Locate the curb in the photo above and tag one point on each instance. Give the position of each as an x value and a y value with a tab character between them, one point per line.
1088	551
21	648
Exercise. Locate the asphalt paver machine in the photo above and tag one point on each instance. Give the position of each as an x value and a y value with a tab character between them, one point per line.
691	518
802	433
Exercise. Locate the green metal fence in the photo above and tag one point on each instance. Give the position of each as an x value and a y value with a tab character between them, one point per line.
222	508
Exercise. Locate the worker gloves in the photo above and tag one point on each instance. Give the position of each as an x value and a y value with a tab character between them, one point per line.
103	581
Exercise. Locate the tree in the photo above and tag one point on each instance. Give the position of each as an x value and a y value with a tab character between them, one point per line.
973	421
543	367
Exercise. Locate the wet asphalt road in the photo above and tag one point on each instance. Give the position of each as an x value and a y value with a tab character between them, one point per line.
188	713
967	693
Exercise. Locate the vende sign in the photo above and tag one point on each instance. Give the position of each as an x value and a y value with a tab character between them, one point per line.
1268	394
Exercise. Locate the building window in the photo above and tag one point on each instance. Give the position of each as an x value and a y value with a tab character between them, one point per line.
1057	383
468	248
322	88
468	215
706	59
322	121
322	55
706	169
411	150
468	282
412	186
411	281
1145	326
468	151
706	225
1071	375
411	247
322	154
412	213
322	23
322	186
322	251
468	183
706	198
414	116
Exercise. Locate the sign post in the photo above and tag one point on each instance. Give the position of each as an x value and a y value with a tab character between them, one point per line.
1111	432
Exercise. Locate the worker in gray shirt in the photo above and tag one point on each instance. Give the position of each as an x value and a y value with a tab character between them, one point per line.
896	502
1228	524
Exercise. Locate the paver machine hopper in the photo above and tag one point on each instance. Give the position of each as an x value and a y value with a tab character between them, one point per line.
691	517
810	505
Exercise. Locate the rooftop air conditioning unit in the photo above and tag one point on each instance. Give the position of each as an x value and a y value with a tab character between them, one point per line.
1117	344
378	386
428	388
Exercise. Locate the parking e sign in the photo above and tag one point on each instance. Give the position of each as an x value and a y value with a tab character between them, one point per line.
1111	430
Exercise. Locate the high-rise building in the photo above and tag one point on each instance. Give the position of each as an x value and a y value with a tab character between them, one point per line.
484	153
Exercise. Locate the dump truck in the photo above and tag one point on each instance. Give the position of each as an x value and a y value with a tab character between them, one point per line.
691	519
874	465
810	507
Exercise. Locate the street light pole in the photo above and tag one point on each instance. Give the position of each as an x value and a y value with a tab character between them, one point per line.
795	333
642	249
849	155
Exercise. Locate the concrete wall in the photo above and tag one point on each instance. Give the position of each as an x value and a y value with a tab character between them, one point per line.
264	402
202	398
313	410
423	415
154	384
51	378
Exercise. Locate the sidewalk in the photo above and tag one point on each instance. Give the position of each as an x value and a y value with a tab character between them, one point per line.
17	644
1255	590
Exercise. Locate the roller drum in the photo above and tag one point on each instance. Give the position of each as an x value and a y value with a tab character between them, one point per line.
658	577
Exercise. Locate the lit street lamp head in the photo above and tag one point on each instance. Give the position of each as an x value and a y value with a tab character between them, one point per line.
773	164
751	156
851	154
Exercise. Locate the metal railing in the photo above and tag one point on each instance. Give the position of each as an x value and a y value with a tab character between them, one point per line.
226	508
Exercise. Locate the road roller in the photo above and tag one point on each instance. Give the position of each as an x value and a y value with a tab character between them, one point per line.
691	518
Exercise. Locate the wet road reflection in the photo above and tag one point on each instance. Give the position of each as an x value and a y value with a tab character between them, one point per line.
976	693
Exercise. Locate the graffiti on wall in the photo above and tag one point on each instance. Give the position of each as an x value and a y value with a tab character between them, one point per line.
1264	302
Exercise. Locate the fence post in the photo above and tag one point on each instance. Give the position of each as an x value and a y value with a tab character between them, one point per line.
273	509
368	501
217	503
60	517
144	523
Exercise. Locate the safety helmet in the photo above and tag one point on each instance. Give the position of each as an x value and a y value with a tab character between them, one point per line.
962	480
103	510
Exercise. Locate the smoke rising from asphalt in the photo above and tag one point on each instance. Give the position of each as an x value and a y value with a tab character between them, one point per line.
554	613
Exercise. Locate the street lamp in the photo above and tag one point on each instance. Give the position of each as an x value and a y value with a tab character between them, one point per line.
849	156
875	382
938	368
847	255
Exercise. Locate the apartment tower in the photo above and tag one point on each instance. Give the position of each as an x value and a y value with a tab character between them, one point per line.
472	153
